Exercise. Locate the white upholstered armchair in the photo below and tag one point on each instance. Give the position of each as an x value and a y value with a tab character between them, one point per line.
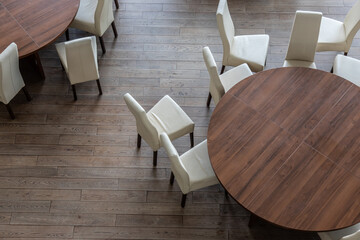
192	169
166	116
220	84
348	68
250	49
79	60
11	81
95	16
303	40
350	233
338	36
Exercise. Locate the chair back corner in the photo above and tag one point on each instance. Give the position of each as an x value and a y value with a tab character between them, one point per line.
352	23
216	88
225	26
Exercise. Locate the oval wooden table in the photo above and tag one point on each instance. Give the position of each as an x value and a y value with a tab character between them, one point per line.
33	24
285	143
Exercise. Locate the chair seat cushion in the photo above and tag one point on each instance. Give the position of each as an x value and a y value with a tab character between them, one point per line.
235	75
250	49
348	68
332	35
197	164
298	63
85	17
167	116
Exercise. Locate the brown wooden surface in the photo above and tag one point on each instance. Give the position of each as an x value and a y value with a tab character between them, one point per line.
33	24
285	144
47	151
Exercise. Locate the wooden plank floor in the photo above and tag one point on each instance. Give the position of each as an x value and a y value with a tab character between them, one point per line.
71	170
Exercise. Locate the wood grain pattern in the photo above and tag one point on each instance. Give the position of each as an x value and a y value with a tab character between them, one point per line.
92	142
39	194
34	24
12	231
257	143
48	219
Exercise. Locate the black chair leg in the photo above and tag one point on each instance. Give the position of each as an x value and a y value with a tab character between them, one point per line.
27	95
222	69
116	4
39	65
62	66
208	100
183	200
114	29
12	115
154	158
139	141
332	69
67	35
99	86
172	177
102	45
253	219
192	139
74	92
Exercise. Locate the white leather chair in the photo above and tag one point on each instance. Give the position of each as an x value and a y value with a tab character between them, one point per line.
350	233
166	116
79	60
303	40
348	68
95	16
338	36
192	169
220	84
10	77
250	49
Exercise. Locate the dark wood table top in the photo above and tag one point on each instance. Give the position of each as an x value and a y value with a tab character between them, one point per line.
33	24
285	143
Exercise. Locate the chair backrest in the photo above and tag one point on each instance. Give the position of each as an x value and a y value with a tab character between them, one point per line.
104	16
304	36
180	173
349	233
144	127
352	23
216	88
354	236
226	28
81	57
11	80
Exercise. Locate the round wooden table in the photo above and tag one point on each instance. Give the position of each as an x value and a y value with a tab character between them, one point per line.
33	24
285	143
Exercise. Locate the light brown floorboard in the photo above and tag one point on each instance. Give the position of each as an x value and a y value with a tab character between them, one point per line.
71	170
